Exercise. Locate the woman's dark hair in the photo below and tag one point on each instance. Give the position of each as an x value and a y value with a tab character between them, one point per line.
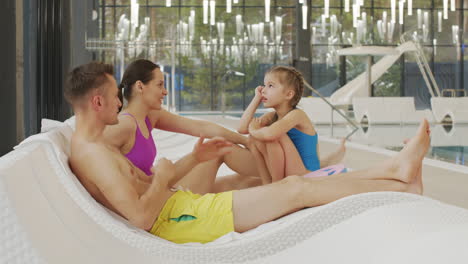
139	70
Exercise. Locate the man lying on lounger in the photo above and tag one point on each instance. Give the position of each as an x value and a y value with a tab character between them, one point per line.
181	216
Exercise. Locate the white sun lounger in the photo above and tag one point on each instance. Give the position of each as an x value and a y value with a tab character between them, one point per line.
319	112
455	108
48	217
388	110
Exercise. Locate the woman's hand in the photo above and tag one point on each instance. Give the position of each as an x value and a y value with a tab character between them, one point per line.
211	149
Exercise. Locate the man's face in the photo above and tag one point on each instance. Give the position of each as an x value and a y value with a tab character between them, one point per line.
111	102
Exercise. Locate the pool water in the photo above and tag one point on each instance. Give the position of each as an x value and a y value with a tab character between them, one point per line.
448	144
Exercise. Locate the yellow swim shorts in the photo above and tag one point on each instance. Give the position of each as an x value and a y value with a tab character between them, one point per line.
188	217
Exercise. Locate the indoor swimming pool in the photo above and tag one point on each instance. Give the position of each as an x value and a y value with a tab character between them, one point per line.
448	143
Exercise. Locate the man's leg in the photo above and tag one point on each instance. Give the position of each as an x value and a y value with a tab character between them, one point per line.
255	206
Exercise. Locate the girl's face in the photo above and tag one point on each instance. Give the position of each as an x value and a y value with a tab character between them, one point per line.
154	91
274	93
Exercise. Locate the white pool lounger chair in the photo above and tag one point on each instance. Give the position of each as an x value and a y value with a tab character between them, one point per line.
48	217
454	107
319	112
389	110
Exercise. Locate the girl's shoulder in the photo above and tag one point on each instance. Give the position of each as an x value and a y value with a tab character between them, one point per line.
298	113
303	118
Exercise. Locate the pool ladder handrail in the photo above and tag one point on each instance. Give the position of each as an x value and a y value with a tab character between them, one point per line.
422	63
334	108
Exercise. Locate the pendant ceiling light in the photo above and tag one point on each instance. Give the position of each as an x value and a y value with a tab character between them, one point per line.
401	6
228	6
205	12
445	3
267	10
212	12
304	17
326	8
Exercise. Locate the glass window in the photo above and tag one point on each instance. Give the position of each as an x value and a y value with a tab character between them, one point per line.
207	57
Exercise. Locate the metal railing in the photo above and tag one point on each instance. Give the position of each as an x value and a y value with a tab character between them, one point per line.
333	108
422	62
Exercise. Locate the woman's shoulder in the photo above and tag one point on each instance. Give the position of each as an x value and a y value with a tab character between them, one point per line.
155	115
124	127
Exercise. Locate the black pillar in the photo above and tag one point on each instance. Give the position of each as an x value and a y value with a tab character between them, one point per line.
8	76
55	33
302	54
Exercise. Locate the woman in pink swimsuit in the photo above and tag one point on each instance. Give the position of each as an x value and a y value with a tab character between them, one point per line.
142	86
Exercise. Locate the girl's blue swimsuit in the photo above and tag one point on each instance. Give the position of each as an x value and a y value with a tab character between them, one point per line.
306	145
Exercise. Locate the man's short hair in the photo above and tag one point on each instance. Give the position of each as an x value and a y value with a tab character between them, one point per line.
85	78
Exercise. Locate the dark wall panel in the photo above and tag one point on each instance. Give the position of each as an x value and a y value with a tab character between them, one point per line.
8	77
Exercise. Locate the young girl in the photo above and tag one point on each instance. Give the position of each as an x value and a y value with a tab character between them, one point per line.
284	141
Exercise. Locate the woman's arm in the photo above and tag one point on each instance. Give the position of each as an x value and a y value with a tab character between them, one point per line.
278	128
165	120
250	111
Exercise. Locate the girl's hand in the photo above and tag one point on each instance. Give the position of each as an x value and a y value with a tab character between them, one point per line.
258	91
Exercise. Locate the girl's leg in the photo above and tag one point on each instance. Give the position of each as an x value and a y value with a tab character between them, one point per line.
260	161
202	179
235	182
334	157
275	159
293	161
240	161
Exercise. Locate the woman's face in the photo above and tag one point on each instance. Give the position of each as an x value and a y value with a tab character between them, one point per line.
154	91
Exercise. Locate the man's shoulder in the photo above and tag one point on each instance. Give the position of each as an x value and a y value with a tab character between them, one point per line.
85	150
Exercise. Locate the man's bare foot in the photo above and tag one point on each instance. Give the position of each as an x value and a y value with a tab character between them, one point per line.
408	163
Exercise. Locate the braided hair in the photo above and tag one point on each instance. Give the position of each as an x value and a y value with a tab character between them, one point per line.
291	78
